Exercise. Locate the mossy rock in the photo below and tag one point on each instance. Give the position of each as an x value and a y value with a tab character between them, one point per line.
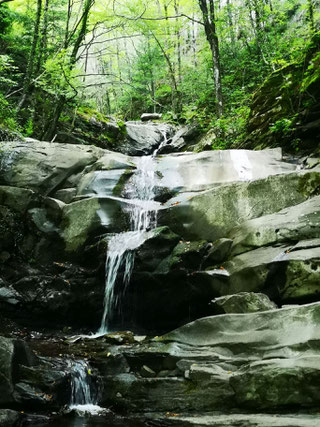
285	109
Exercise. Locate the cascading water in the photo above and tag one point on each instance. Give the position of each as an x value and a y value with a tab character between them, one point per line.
142	211
83	395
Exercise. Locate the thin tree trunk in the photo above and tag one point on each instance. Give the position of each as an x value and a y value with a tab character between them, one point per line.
194	42
61	101
32	56
176	9
209	20
231	29
311	17
82	32
43	37
176	102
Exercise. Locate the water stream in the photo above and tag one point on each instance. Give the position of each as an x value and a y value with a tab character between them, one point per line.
142	213
83	393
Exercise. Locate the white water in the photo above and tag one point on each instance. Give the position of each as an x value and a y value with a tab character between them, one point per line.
82	395
143	217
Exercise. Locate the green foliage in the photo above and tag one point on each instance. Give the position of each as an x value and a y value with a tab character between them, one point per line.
7	115
28	129
283	126
230	129
7	111
312	75
162	65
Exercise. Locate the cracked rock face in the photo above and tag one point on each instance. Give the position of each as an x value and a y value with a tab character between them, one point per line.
225	214
238	227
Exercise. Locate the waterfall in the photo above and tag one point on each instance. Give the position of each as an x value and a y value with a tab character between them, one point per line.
83	394
142	211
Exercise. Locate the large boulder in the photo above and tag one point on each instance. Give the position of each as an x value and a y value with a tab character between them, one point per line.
286	273
295	223
9	418
233	362
143	138
195	172
90	217
239	420
244	302
43	166
181	140
213	213
276	117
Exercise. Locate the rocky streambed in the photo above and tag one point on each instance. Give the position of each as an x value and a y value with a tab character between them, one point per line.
223	297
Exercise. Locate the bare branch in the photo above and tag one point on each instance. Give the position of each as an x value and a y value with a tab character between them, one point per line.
160	18
4	1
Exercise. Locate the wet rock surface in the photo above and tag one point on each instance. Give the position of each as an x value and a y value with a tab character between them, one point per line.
244	302
237	227
67	211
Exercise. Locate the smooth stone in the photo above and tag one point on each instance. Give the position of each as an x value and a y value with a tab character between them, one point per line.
286	273
85	217
66	195
9	418
218	253
17	199
212	214
242	420
144	137
244	302
294	223
147	372
43	166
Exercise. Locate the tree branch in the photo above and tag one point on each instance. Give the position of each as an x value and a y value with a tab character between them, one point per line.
4	1
160	18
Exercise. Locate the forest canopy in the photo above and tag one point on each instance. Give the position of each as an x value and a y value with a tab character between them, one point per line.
191	60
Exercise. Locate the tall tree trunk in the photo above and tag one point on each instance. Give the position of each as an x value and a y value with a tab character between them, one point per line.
231	29
194	41
43	37
82	32
176	98
61	101
178	40
256	11
311	17
208	11
32	57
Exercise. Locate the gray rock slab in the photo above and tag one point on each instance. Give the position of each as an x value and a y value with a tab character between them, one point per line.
264	361
84	217
244	302
266	330
298	222
43	166
9	418
200	171
144	138
286	272
243	420
17	199
213	213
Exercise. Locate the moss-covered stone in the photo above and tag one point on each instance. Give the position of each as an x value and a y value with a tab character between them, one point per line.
285	109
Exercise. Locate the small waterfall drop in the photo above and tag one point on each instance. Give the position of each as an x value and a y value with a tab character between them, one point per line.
83	394
142	211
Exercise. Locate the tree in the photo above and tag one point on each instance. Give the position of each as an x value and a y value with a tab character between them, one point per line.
82	24
27	87
311	9
209	19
